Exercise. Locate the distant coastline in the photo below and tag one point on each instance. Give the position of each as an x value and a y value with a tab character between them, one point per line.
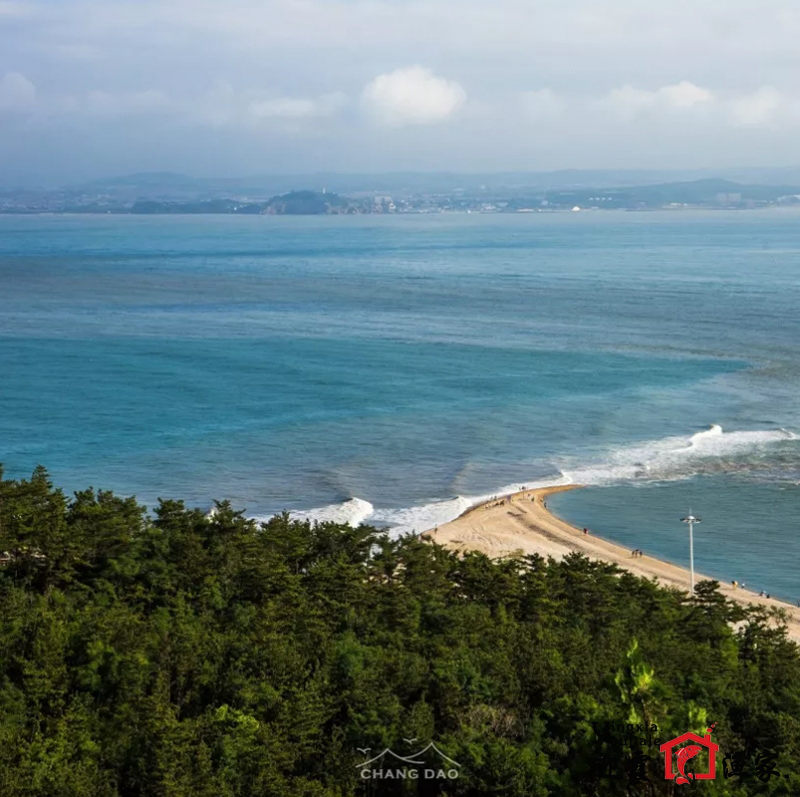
146	199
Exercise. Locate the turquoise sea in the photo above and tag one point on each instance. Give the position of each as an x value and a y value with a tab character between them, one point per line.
395	369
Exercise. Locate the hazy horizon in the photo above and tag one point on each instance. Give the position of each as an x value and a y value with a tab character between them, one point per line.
413	180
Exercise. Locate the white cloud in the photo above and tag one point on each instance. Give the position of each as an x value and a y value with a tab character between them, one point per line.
630	102
767	107
409	96
684	95
296	108
17	93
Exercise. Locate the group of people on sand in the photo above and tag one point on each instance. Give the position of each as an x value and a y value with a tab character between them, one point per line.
507	499
762	594
636	552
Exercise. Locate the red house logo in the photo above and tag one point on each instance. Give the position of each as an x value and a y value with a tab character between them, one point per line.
683	755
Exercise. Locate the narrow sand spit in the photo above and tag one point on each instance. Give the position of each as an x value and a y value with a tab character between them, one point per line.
520	523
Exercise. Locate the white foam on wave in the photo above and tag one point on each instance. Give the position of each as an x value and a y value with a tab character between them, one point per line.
667	459
672	458
352	511
416	519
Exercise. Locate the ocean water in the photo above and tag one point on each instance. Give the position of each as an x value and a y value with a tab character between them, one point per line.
396	369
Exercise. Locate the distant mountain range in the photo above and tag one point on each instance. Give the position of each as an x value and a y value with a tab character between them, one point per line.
171	185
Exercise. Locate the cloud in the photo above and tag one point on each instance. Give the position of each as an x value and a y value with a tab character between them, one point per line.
561	84
684	95
766	107
411	96
17	93
220	106
297	108
224	105
758	109
630	102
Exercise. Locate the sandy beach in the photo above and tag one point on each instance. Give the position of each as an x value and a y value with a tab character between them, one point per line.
521	523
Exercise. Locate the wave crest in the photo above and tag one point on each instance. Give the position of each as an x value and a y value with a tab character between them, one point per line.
353	511
712	450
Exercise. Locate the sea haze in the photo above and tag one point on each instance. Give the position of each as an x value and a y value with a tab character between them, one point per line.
397	368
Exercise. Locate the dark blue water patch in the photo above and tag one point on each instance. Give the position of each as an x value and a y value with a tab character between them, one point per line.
401	416
749	531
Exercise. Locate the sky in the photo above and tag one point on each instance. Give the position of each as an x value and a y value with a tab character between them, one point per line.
91	88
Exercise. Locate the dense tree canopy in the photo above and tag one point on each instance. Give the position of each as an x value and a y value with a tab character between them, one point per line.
213	656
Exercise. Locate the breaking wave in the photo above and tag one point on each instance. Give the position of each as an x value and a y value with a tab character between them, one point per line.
417	519
352	511
712	450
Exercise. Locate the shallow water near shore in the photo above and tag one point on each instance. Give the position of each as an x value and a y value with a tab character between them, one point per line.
395	370
749	532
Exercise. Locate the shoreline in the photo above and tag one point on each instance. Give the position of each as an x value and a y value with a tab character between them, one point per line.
520	523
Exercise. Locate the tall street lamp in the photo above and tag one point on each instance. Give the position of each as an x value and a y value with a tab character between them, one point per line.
691	520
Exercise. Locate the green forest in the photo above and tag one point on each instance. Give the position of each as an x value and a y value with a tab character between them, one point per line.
185	654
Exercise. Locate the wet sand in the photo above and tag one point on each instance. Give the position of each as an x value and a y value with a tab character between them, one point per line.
521	524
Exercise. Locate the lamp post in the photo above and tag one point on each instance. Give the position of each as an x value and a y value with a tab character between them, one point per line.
691	520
